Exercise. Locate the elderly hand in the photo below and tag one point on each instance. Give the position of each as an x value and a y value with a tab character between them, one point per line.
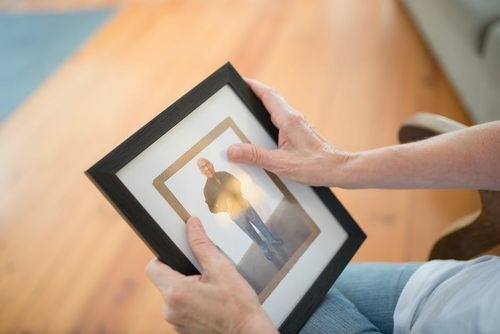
217	301
302	154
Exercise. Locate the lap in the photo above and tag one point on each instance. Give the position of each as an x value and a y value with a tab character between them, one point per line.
363	299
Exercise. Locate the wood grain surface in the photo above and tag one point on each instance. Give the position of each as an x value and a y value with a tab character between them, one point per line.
357	69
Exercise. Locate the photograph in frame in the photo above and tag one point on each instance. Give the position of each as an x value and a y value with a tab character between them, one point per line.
288	240
253	219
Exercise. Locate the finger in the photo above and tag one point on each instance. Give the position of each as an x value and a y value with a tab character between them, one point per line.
162	275
258	87
251	154
277	106
203	248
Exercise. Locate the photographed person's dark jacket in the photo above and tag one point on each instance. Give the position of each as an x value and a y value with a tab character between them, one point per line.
223	194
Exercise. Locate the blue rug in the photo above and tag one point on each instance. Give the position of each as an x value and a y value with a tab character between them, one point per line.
32	45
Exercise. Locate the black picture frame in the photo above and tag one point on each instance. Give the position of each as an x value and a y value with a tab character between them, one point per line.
108	176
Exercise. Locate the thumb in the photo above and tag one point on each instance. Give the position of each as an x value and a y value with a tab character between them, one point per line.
251	154
203	248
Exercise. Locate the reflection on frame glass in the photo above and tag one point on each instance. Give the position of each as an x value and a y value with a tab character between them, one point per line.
250	215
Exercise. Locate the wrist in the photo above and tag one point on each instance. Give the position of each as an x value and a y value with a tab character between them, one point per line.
377	168
341	168
258	322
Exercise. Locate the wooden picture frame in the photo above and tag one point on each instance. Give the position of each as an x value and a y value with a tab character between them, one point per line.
289	241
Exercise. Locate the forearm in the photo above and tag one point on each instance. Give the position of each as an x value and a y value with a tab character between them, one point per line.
468	158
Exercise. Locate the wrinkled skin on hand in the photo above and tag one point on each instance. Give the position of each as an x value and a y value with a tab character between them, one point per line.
302	154
217	301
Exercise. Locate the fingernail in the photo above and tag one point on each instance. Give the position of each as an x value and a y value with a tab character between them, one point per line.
194	223
234	152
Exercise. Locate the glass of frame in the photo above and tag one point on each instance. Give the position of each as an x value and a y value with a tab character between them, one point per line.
288	240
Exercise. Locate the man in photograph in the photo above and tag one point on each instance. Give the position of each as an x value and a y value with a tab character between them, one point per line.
223	194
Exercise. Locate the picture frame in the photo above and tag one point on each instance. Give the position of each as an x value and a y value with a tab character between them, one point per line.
288	240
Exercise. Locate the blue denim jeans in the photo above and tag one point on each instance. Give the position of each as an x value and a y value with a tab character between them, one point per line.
362	300
249	221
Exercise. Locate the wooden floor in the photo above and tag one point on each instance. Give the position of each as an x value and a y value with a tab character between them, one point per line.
356	69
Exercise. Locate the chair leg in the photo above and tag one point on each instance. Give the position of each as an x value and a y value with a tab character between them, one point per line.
480	236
